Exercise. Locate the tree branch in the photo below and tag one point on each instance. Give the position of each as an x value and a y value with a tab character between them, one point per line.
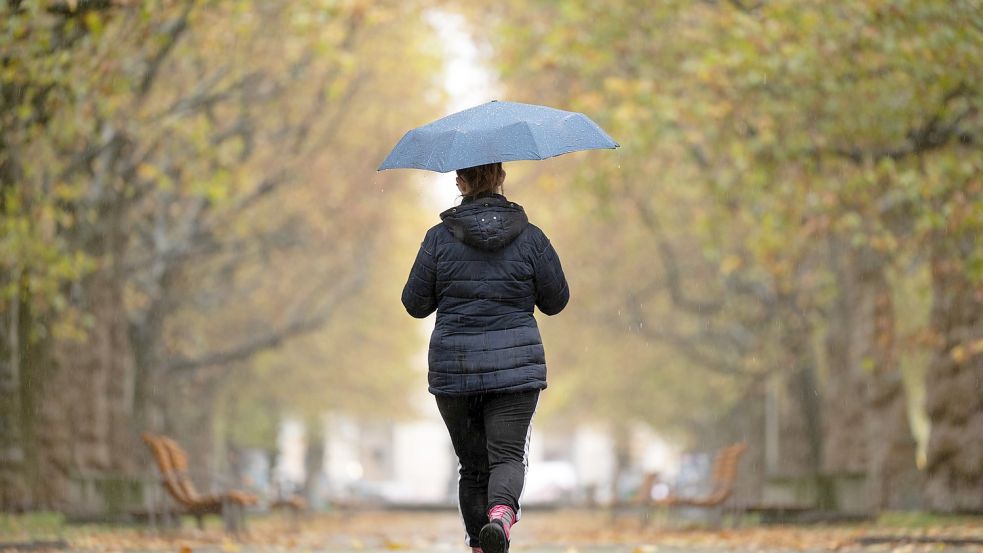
688	346
78	8
932	135
172	31
670	265
204	97
746	8
295	328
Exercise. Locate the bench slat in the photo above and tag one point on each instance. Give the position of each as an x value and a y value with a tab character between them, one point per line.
722	475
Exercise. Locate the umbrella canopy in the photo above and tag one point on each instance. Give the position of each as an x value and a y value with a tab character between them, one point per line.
494	132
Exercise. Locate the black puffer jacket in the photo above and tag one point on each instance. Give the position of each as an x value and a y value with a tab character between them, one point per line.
484	269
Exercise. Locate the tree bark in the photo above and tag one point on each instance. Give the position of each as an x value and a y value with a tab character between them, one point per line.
893	479
800	444
844	390
313	463
799	406
867	427
954	383
84	422
14	491
84	418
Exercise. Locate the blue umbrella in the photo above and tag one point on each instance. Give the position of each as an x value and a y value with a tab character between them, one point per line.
493	132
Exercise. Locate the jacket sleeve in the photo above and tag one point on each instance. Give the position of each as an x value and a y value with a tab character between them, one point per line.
420	293
552	292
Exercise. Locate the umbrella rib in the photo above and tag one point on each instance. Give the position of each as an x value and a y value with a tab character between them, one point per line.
433	150
457	133
524	125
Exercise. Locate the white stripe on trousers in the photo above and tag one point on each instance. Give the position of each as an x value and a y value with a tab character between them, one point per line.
525	473
525	461
460	511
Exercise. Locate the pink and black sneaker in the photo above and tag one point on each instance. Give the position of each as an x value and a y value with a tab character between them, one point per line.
494	536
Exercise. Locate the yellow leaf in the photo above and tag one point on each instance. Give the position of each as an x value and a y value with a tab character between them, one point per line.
146	171
959	354
730	264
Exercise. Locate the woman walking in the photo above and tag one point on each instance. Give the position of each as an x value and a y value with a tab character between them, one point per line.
483	269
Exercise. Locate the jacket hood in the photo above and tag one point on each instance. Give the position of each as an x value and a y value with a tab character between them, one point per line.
488	223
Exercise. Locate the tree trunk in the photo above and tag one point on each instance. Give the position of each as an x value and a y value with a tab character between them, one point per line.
800	445
84	419
745	423
954	384
191	409
13	492
867	428
799	453
893	479
150	383
19	358
621	436
313	463
750	483
844	435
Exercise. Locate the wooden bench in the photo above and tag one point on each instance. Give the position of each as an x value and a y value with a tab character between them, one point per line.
639	501
172	461
643	494
294	504
722	479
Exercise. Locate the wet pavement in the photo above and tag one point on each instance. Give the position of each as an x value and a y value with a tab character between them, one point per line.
544	532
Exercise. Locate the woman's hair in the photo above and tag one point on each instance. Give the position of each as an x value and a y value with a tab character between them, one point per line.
481	179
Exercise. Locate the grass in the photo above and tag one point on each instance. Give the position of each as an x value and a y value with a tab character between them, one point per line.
31	526
912	520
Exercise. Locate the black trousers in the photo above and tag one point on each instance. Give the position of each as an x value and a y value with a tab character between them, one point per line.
490	433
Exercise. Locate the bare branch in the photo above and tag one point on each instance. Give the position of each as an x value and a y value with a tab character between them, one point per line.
976	8
297	327
76	9
172	31
932	135
670	265
205	97
688	346
746	7
265	187
347	44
